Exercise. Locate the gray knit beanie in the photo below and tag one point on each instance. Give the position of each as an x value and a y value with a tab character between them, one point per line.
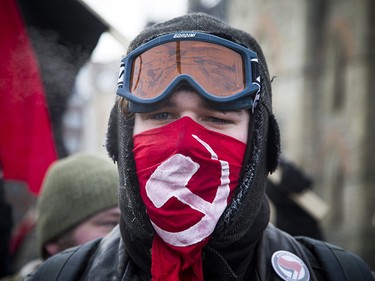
74	189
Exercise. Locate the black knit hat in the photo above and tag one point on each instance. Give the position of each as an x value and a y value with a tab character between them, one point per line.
262	148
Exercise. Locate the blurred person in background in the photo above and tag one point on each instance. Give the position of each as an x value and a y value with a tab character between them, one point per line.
284	187
5	231
78	203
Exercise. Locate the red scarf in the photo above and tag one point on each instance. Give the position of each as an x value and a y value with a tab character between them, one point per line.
186	175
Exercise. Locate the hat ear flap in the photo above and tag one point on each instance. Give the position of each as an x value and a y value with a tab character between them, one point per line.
112	133
273	145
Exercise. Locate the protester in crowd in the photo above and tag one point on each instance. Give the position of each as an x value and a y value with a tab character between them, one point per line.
297	210
5	231
78	203
194	138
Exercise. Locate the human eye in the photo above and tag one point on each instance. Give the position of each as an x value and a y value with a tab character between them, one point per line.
109	223
157	116
220	117
105	225
219	120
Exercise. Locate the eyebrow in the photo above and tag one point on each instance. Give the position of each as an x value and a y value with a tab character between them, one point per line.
239	112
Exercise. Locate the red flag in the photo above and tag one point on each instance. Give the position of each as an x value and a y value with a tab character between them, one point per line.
26	139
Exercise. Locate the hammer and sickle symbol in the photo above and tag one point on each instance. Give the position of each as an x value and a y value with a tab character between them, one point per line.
179	169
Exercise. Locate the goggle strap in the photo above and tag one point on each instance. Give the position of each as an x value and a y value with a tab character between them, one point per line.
255	70
120	79
255	101
256	79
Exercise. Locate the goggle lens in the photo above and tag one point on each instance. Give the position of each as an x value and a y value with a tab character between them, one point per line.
217	69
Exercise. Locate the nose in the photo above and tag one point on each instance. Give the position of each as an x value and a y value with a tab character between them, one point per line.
188	103
189	114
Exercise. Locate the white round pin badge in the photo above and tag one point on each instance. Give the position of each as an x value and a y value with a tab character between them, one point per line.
290	267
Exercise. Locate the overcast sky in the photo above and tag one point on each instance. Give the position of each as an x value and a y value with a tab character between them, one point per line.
129	17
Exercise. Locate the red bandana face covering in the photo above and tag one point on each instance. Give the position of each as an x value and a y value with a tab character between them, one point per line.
187	175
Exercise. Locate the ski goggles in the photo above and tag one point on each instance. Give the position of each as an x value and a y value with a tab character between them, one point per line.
221	71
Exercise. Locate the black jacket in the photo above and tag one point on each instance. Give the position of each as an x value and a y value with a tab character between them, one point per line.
106	259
